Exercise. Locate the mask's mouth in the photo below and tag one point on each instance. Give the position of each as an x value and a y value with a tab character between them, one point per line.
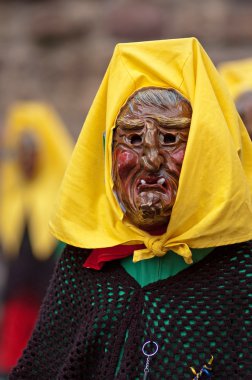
153	183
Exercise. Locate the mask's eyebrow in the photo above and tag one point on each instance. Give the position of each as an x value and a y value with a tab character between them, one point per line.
164	121
126	123
171	122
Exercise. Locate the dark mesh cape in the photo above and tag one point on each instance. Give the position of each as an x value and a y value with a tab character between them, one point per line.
93	324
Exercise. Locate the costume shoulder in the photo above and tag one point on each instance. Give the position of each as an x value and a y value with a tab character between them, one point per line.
83	307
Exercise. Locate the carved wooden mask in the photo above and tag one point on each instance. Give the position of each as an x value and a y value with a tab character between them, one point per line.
149	143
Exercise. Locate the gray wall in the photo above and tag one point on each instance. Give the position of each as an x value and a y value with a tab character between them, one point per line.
57	51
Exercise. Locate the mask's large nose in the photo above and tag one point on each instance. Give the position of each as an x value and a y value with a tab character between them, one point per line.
151	159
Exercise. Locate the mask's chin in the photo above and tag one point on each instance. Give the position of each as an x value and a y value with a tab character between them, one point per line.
149	217
153	227
148	208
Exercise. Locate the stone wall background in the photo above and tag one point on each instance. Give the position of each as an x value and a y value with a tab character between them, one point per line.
58	50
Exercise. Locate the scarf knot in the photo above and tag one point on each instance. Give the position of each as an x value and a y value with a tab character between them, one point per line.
155	245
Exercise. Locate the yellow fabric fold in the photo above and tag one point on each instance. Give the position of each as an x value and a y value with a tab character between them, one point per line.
31	202
213	205
238	75
158	249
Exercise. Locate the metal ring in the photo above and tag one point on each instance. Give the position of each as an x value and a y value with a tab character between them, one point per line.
156	349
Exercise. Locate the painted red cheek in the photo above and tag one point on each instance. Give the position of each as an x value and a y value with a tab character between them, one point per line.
126	161
178	156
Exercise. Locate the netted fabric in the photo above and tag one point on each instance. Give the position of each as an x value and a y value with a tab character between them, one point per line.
93	324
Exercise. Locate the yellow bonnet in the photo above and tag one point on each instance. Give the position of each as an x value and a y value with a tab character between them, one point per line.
213	205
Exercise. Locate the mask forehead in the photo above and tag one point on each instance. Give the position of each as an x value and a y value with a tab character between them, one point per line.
164	102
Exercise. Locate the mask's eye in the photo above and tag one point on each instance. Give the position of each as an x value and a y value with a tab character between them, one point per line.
135	139
167	138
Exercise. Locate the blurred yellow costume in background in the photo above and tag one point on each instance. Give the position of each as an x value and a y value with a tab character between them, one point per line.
36	150
32	201
238	77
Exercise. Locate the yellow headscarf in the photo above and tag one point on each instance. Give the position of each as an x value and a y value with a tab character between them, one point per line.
32	201
238	76
213	205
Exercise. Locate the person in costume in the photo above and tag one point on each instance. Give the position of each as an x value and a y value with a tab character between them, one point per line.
36	149
238	76
2	261
156	212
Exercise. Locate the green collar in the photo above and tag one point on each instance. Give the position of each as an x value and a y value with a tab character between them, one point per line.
160	268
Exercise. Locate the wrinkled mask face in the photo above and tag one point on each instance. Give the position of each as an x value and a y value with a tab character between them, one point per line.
149	143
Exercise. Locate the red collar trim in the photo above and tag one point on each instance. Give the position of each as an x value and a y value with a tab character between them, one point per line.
99	256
